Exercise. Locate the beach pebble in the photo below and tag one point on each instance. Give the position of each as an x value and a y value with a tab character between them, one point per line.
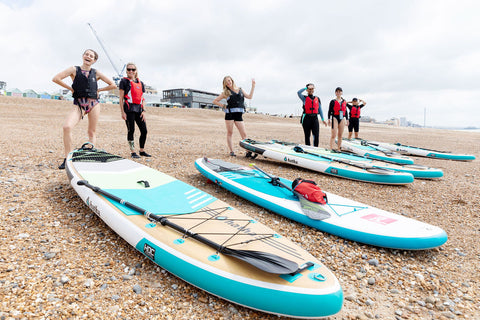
137	289
373	262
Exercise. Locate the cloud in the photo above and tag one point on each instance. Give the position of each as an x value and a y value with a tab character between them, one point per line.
399	56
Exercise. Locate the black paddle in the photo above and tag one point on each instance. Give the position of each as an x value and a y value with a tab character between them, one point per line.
368	168
311	209
265	261
377	148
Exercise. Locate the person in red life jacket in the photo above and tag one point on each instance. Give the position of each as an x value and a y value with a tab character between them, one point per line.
234	108
337	111
131	91
312	107
85	91
354	121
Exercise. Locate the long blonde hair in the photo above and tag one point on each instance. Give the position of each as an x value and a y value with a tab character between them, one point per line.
226	92
136	69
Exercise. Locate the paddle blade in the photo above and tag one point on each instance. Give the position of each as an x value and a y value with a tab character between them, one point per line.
313	210
265	261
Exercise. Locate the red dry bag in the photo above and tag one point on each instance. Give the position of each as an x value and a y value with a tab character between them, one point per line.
309	190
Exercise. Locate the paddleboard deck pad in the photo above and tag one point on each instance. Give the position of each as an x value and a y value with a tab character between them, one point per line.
289	153
422	152
111	186
346	218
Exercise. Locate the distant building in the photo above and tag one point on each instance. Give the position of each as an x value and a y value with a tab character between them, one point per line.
45	95
191	98
3	85
30	94
15	93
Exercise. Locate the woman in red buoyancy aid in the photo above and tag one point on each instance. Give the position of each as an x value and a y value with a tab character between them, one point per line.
337	111
132	110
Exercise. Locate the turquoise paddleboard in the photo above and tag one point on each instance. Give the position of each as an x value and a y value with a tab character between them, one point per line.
342	217
364	149
327	165
416	170
203	240
421	152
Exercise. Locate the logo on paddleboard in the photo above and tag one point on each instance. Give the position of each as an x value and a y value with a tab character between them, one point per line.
376	218
93	207
149	251
287	159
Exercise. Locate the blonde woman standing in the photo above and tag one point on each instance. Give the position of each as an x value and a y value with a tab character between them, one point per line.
234	108
131	91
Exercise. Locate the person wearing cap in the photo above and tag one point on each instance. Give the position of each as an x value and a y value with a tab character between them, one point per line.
312	107
354	123
337	111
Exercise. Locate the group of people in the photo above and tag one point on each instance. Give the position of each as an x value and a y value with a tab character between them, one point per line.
340	113
85	92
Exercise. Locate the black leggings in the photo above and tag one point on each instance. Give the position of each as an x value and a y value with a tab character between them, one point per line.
310	124
132	118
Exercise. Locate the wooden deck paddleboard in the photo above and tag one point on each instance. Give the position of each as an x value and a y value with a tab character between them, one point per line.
201	239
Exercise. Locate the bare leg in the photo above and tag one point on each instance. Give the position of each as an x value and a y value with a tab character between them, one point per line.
70	122
334	133
93	117
350	135
341	127
241	128
229	126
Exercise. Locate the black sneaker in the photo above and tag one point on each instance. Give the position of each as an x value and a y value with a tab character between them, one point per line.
144	154
232	154
62	166
135	156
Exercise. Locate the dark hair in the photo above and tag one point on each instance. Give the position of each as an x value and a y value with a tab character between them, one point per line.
338	89
309	84
354	99
94	53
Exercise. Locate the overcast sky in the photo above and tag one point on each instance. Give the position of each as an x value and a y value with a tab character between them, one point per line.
401	57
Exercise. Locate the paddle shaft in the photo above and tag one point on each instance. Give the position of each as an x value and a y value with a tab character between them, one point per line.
300	149
276	179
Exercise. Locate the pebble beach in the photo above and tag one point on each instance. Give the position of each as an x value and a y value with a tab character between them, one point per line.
59	260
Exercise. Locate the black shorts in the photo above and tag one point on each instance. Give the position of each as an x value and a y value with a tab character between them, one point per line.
353	124
235	116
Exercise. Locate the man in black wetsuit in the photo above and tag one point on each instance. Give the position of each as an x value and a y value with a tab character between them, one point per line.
312	107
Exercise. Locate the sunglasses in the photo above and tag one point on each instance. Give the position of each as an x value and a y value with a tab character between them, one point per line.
128	69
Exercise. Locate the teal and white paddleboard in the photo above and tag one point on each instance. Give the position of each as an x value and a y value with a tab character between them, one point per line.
421	152
342	217
364	149
201	239
416	170
335	167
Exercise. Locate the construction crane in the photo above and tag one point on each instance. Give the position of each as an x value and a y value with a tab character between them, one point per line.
119	73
